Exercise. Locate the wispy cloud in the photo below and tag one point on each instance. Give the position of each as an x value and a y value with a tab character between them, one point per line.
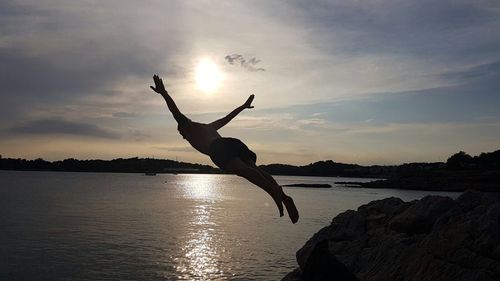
475	73
311	122
249	64
124	114
59	126
174	148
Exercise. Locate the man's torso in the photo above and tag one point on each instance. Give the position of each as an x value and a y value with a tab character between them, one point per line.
199	135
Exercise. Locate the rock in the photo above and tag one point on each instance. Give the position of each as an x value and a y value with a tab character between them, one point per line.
294	275
419	218
322	265
435	238
315	185
349	183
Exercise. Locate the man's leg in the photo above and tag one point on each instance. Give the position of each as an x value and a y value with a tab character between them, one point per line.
291	209
242	169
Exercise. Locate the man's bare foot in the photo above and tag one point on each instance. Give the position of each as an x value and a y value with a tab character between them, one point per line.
278	199
279	203
292	211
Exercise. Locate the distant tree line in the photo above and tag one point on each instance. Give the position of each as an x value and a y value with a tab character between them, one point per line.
120	165
460	161
460	172
484	161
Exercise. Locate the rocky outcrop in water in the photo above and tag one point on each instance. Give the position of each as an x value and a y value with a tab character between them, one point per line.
435	238
310	185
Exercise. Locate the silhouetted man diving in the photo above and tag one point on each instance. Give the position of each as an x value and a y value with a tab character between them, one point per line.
229	154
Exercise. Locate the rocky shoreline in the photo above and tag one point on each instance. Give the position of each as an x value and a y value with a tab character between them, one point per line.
435	238
488	181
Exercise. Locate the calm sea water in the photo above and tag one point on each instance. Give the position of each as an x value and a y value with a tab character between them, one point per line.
90	226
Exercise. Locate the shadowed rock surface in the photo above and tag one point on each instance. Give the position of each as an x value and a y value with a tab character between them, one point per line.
435	238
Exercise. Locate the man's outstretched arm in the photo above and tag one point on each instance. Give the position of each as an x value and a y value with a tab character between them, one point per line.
160	89
223	121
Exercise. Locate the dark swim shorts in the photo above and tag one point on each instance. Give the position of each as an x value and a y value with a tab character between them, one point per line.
222	150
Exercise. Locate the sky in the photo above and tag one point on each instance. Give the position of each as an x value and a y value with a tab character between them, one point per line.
367	82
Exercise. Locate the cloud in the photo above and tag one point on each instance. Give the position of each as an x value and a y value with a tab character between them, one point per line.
247	64
139	135
58	126
124	114
265	122
55	54
174	148
311	122
446	30
471	74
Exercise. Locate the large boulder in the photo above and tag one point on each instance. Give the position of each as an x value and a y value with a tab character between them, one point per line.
435	238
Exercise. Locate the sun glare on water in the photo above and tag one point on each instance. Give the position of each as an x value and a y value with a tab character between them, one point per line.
208	76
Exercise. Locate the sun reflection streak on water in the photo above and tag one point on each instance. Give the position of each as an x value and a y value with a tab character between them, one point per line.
202	187
201	257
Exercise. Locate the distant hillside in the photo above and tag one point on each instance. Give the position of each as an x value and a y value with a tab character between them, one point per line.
460	161
460	172
120	165
329	168
333	169
484	161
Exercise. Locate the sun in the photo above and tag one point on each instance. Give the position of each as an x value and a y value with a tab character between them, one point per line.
207	75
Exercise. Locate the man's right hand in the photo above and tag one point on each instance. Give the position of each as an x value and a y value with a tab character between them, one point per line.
248	103
159	87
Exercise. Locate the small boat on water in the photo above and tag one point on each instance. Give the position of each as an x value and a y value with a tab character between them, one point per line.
150	174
